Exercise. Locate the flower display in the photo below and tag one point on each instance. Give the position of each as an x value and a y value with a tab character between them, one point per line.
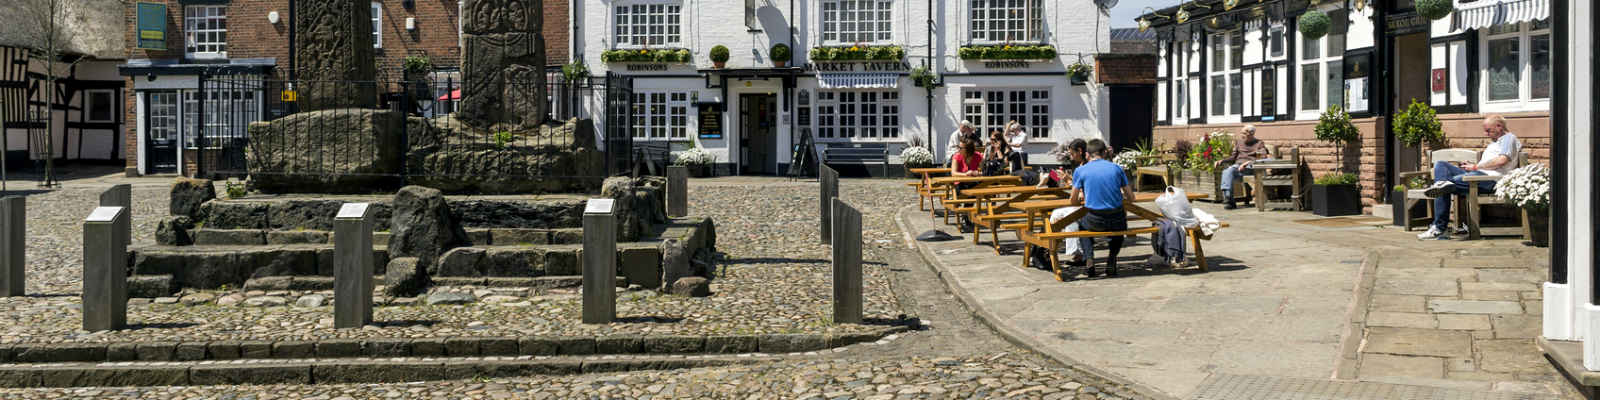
1216	146
916	155
693	156
1128	159
1527	187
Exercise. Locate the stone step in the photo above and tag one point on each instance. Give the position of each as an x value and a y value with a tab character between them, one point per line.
640	263
302	213
345	371
1251	387
214	266
42	355
477	236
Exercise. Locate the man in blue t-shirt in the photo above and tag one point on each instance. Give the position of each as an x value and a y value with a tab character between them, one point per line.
1101	186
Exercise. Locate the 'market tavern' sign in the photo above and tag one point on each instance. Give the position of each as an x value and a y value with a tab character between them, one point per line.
863	66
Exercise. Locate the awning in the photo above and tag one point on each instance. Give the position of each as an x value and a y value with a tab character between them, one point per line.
1502	12
858	80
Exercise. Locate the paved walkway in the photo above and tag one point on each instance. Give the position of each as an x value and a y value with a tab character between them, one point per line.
1281	300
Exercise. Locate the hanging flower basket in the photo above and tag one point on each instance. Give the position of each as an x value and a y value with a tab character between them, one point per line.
1079	73
1434	9
1314	24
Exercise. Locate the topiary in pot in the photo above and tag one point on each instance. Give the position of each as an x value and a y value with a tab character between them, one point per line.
1418	125
780	55
719	56
1314	24
1434	9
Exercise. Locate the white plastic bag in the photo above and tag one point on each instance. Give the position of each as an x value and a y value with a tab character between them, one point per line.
1175	206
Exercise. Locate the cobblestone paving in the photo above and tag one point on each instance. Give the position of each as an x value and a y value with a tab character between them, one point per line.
771	228
55	231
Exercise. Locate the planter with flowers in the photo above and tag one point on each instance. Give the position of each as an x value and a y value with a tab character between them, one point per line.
1007	52
1528	188
697	160
916	157
670	56
1079	73
1198	172
858	53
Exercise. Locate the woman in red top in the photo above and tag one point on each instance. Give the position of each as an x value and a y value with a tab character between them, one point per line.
968	162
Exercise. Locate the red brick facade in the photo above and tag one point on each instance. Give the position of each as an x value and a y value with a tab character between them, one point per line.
1126	69
251	35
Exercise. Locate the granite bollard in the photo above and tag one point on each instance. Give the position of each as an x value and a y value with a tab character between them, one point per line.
13	246
119	196
352	271
677	191
599	262
829	180
105	269
847	288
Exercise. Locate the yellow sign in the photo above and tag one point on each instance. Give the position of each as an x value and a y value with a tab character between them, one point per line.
153	35
288	96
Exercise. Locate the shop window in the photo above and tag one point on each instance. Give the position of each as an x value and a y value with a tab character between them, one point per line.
991	110
1321	72
1516	62
660	115
100	106
205	31
995	21
854	114
857	21
650	24
227	112
1227	80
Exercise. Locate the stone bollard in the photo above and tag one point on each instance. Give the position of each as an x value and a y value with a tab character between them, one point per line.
677	191
13	246
599	262
352	270
105	269
829	180
119	196
847	291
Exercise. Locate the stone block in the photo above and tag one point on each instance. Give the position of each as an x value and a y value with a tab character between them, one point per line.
673	344
386	348
600	270
151	286
175	231
255	350
566	236
791	343
158	351
104	295
187	195
219	214
1463	322
691	286
428	347
460	262
297	237
479	237
641	266
1398	303
519	236
560	261
295	349
619	344
1517	326
1474	307
1418	342
1417	287
190	351
250	374
575	346
518	368
846	339
337	348
537	346
114	352
62	352
425	229
223	350
1375	365
1401	320
352	271
490	347
303	215
404	277
461	347
512	262
115	376
339	53
733	344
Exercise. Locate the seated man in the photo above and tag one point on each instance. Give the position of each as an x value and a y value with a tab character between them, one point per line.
1497	160
1246	151
1101	186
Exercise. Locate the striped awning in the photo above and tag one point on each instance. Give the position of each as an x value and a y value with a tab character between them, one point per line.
1501	12
858	80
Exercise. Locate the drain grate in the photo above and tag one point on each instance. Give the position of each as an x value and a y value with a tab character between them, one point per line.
1248	387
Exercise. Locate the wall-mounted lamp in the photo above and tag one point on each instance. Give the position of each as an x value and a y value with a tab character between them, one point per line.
150	77
411	24
1183	13
272	17
1144	22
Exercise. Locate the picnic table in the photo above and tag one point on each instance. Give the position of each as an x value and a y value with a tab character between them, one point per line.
991	209
1050	235
949	183
925	189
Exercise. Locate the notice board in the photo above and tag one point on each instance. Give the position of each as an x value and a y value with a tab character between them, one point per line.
710	120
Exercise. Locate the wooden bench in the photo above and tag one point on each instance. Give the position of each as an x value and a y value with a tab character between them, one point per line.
1468	212
948	184
924	186
1051	235
993	207
1160	167
857	153
1281	173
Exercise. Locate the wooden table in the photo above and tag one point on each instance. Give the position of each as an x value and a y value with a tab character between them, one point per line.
950	182
1036	210
925	191
990	211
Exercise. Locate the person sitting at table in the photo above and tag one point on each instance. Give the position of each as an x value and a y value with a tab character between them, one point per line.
967	161
1070	156
1101	186
1016	137
961	134
998	159
1246	151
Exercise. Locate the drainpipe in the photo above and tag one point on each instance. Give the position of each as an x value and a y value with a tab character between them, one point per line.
929	64
294	67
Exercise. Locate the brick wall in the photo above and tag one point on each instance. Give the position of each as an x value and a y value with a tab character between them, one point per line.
1128	69
1367	158
557	31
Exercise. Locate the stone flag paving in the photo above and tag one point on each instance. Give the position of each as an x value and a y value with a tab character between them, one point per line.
1281	300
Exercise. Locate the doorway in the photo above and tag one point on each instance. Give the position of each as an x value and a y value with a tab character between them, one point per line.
758	122
1133	115
1412	70
161	132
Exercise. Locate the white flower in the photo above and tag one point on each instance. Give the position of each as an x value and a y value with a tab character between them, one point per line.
1526	187
693	156
1127	159
916	156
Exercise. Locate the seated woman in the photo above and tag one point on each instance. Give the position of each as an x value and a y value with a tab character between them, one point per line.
967	162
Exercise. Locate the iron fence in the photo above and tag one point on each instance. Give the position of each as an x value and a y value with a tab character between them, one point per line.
519	135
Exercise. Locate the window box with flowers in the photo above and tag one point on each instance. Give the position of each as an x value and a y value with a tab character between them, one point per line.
670	56
858	53
1040	52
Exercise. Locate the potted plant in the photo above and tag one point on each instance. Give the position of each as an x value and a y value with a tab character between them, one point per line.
1397	201
916	157
1079	72
1336	193
1418	125
698	161
719	56
1314	24
416	69
1199	172
1528	188
923	77
574	71
779	54
1434	9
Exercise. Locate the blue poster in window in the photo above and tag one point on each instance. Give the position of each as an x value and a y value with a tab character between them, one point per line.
152	26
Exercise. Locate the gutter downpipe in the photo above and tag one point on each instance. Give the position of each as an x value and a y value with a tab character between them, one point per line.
929	64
